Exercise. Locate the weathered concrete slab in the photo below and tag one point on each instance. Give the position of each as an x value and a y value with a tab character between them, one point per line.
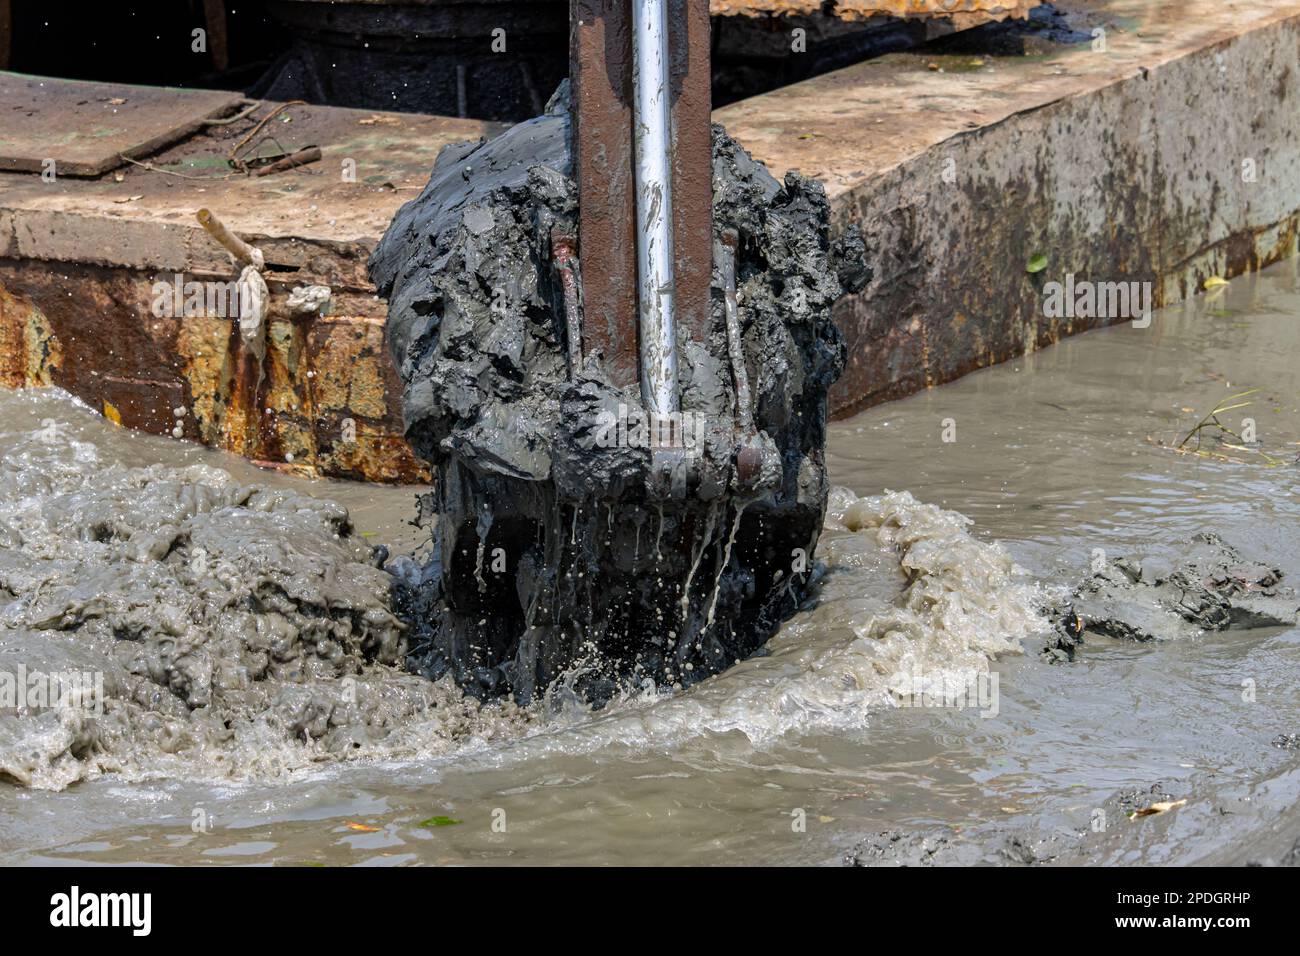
1168	154
85	128
371	163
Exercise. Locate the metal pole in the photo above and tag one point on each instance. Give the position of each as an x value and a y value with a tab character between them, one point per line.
735	344
654	206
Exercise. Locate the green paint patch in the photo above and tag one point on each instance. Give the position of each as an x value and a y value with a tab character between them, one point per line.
439	822
951	63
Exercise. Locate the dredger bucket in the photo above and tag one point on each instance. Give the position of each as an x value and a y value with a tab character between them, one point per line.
615	336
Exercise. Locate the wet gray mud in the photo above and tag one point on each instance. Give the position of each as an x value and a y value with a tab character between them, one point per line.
1212	587
223	624
556	551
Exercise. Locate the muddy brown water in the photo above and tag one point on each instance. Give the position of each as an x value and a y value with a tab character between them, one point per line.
797	755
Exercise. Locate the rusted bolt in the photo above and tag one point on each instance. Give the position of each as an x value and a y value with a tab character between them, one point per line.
749	465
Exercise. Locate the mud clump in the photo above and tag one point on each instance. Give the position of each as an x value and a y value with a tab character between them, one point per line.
157	619
1212	588
552	553
1035	839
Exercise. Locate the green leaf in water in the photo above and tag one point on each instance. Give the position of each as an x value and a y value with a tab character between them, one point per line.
438	822
1037	263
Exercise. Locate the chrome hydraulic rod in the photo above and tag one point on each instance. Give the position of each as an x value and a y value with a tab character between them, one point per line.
657	324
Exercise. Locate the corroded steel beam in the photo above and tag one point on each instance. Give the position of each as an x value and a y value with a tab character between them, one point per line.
604	163
600	71
328	402
691	78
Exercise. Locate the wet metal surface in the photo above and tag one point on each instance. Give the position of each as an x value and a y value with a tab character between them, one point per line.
600	71
601	74
651	145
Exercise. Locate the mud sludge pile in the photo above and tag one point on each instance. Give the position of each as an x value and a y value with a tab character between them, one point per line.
156	616
1213	587
553	555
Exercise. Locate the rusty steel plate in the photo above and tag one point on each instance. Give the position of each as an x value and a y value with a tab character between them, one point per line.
83	126
859	9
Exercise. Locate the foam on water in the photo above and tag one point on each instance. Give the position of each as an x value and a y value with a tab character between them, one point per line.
906	591
244	632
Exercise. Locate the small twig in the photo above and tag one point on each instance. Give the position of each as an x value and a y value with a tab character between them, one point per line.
310	154
237	247
256	105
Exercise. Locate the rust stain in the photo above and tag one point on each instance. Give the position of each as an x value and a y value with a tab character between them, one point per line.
350	362
28	349
201	346
600	59
970	11
324	401
242	425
